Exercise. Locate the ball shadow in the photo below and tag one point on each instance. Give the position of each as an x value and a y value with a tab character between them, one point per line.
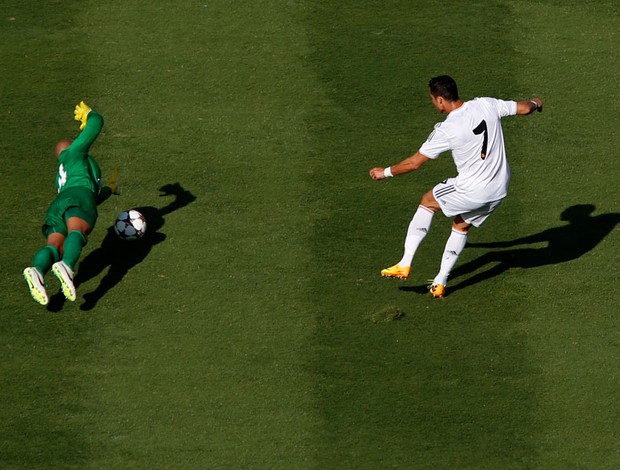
119	256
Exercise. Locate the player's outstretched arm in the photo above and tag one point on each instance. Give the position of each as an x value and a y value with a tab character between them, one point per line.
529	106
91	125
408	165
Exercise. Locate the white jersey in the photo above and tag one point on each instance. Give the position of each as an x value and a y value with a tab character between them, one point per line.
473	133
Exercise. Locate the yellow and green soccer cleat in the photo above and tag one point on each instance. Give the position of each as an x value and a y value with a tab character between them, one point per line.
36	285
114	183
438	290
397	271
65	276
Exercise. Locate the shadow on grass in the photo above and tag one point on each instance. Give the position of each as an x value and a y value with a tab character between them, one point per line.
564	243
120	256
581	234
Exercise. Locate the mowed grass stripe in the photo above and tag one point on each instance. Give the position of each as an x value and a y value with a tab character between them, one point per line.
42	416
485	378
222	96
574	331
452	384
195	358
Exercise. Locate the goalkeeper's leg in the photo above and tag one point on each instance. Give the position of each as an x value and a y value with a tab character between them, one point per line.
43	261
76	240
44	258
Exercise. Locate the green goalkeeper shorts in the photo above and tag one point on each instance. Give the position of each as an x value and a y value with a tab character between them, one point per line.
71	202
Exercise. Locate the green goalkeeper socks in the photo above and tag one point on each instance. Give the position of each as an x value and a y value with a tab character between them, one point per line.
48	255
44	258
73	245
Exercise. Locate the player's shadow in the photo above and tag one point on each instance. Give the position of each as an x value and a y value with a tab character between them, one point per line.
120	256
581	234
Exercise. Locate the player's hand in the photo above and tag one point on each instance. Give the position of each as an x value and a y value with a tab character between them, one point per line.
377	173
81	113
539	102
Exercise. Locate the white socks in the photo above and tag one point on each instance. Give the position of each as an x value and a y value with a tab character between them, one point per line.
418	228
454	247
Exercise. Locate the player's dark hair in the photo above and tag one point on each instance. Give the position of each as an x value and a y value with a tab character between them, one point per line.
445	87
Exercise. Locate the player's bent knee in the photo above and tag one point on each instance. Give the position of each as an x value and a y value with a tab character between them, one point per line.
79	224
460	225
56	241
429	201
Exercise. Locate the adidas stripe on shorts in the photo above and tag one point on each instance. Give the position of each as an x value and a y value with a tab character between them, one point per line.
453	203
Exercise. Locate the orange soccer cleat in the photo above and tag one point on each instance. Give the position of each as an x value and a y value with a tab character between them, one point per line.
438	290
397	271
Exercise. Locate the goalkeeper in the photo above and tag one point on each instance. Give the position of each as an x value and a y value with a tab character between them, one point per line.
73	213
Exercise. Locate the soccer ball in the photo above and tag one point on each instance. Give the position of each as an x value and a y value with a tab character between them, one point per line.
130	225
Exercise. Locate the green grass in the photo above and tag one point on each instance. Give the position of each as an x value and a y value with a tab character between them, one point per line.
257	333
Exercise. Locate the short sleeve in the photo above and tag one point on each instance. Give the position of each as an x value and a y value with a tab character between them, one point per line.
506	108
436	143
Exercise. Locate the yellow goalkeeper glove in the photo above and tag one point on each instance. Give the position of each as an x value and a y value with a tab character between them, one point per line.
81	113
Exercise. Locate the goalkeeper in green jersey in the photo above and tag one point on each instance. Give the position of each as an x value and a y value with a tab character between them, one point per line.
73	213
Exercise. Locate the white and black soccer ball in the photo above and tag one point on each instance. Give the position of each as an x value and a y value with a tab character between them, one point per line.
130	225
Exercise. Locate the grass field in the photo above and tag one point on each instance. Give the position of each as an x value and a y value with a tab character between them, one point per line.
248	329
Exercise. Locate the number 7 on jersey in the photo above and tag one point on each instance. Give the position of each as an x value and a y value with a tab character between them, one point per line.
482	129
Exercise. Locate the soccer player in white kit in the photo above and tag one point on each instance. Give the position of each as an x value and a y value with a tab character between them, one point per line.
473	132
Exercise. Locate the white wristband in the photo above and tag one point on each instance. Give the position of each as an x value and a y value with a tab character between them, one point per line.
387	172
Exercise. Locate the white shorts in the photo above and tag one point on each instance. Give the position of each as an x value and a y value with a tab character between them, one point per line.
453	203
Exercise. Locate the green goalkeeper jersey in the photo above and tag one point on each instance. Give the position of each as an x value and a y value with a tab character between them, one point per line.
75	166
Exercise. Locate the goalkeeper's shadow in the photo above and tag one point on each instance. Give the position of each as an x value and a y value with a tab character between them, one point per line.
119	256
